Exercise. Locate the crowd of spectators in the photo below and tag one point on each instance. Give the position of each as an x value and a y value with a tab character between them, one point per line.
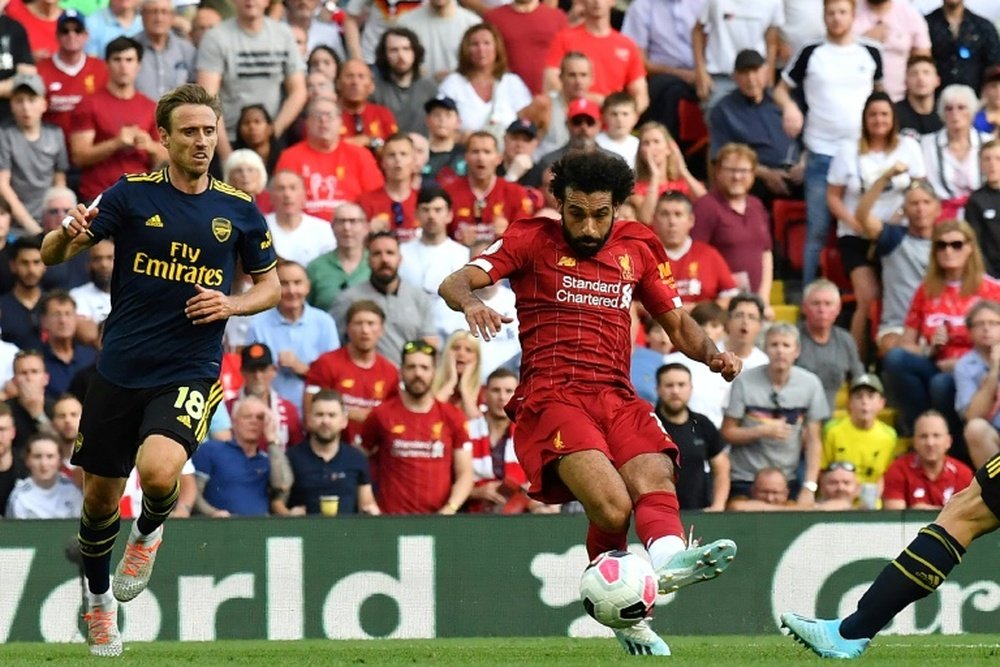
387	143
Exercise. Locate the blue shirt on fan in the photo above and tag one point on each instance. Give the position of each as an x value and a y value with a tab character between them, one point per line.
233	481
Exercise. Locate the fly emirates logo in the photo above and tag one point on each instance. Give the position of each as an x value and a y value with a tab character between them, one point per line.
595	293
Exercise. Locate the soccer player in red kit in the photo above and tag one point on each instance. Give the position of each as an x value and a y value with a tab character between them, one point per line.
580	430
420	447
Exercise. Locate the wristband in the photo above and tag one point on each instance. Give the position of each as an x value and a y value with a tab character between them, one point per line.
68	220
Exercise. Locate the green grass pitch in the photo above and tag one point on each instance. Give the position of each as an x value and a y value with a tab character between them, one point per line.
954	651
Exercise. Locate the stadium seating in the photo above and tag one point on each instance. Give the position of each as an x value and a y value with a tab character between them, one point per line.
790	231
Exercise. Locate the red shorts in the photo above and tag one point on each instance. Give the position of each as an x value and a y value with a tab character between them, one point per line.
614	421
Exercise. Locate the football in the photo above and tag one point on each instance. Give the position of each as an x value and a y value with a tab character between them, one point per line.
618	589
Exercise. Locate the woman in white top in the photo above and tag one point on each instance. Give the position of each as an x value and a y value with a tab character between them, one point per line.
488	96
853	171
952	153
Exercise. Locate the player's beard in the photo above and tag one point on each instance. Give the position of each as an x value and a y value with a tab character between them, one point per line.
589	247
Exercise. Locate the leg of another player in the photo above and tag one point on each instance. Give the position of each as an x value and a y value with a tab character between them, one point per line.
593	480
649	480
159	463
99	523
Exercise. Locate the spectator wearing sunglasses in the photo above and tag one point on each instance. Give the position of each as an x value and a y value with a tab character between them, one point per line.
859	438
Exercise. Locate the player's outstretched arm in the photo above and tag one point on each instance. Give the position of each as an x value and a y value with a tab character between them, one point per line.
62	244
457	291
688	337
209	305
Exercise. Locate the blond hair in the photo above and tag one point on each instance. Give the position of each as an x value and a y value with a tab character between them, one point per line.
973	270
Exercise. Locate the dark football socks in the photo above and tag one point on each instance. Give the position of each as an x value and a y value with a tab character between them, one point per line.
156	510
97	538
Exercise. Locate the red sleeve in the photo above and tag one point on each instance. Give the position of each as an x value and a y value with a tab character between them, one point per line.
317	375
657	290
894	481
287	161
154	132
636	67
295	432
367	203
723	276
512	251
558	49
460	431
965	476
915	316
369	174
371	432
82	118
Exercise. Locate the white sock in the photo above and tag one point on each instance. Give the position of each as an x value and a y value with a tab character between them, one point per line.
135	534
661	550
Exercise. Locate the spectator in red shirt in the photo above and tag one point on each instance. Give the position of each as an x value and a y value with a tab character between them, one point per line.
334	171
484	205
918	373
419	446
618	63
926	477
363	123
736	223
362	376
39	19
528	28
394	205
659	167
700	272
70	75
258	370
113	132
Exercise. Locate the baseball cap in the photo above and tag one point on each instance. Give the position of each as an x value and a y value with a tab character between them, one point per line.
255	356
583	107
70	15
869	380
991	74
523	126
442	101
748	59
32	82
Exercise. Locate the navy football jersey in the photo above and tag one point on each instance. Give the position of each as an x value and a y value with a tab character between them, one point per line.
166	242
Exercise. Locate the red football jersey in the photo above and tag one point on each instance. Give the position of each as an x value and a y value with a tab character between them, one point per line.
616	59
413	454
377	204
41	32
927	313
701	274
374	120
493	462
65	90
333	178
573	312
506	200
359	387
905	480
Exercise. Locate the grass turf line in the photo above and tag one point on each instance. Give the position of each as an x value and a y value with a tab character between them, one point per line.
964	650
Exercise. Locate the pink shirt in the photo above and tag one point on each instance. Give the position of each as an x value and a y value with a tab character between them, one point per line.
906	30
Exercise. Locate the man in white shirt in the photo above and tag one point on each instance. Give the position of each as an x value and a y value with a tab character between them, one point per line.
430	258
297	236
93	299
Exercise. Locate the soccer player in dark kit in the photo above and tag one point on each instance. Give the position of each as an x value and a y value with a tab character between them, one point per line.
179	234
580	430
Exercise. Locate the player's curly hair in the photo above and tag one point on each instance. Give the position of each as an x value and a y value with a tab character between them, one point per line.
593	172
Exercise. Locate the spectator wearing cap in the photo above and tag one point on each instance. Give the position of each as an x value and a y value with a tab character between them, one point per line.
963	44
296	331
446	156
15	57
112	131
408	309
168	59
39	21
527	28
900	31
977	383
520	142
431	256
487	95
32	154
724	28
988	118
662	31
828	350
748	115
120	18
620	116
583	122
394	205
70	74
484	204
362	123
399	84
335	172
618	63
259	372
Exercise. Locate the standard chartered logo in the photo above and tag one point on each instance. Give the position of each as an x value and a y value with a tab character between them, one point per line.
825	550
597	293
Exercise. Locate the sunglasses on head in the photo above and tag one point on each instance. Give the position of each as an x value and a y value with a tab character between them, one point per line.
840	465
419	346
954	245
